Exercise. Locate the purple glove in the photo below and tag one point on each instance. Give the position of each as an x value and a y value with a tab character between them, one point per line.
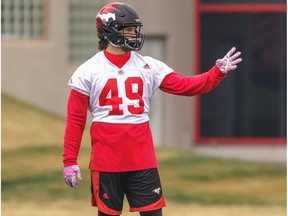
69	174
229	62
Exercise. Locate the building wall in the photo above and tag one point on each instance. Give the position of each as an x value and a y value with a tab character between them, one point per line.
37	71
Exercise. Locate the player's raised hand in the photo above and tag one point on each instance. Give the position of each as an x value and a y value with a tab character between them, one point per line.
70	173
229	62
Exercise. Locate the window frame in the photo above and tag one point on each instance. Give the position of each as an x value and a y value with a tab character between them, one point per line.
227	8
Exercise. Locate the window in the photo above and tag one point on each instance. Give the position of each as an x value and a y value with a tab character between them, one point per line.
22	19
83	40
250	104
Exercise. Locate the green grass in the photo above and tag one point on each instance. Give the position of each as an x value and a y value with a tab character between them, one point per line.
32	167
205	180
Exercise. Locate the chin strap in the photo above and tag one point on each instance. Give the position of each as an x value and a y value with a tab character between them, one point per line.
114	45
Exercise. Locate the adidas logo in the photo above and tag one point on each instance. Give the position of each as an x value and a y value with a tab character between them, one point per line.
105	196
146	66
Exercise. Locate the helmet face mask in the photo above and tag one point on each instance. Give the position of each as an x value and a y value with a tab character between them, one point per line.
111	21
130	41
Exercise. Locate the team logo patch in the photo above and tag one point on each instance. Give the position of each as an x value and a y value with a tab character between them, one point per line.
106	17
157	190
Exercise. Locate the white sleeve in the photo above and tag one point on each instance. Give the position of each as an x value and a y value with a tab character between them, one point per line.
160	71
80	81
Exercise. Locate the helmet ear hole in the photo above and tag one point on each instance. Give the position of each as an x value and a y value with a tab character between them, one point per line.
117	26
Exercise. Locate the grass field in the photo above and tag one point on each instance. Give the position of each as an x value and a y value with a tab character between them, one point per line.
195	185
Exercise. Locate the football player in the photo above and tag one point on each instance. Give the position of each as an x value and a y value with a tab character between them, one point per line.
116	85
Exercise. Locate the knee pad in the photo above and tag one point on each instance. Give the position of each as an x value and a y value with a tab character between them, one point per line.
157	212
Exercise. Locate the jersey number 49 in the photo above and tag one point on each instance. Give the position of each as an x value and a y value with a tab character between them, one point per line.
111	87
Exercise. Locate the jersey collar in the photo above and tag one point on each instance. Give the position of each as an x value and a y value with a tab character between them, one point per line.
118	60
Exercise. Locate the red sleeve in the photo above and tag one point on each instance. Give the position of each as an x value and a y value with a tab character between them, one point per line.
175	83
75	124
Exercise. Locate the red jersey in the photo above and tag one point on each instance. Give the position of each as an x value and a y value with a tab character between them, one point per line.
117	90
